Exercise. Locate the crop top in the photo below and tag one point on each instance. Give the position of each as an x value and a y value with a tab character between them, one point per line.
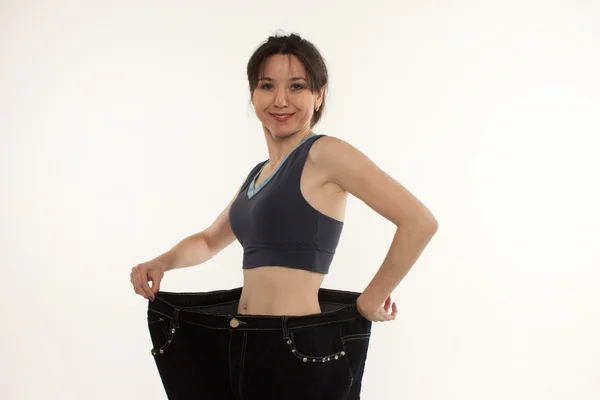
276	225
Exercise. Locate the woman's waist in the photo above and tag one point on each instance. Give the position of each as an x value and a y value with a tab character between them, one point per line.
277	290
264	304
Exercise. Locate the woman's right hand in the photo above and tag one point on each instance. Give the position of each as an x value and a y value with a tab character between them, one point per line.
143	273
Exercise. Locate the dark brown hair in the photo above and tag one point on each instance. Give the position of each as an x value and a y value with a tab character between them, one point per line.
307	53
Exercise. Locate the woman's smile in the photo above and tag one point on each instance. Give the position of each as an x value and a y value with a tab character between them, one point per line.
281	117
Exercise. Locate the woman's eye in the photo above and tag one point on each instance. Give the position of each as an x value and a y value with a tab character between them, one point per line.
267	86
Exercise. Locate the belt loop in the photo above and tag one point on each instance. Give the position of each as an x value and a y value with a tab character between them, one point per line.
284	327
176	318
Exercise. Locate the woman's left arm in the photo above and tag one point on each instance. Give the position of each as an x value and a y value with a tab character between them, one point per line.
358	175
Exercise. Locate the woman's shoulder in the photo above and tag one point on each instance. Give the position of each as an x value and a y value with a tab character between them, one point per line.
326	146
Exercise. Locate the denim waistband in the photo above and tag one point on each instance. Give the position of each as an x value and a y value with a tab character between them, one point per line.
218	310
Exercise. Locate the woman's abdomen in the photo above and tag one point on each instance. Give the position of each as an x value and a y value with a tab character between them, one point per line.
274	290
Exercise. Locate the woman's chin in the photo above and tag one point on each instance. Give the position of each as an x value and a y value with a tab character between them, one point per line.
281	132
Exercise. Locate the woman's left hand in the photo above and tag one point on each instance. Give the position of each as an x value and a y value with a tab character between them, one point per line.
380	314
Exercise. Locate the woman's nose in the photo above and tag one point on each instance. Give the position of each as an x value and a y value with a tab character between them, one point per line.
280	98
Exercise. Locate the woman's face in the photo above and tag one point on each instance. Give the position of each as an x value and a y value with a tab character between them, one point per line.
283	89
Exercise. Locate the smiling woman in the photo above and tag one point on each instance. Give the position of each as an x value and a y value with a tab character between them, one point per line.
282	335
282	96
288	75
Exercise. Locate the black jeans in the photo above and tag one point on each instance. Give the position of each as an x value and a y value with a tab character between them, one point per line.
204	349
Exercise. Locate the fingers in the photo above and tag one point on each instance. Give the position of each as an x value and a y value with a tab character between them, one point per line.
140	282
387	304
134	280
155	278
146	288
155	286
383	314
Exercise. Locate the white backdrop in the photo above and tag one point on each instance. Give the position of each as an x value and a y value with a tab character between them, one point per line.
126	126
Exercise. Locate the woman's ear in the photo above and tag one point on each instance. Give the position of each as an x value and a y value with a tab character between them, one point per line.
322	92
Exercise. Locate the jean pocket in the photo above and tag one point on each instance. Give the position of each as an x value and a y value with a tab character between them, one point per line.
317	344
161	332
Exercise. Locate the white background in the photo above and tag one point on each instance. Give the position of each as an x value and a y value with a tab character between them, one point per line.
126	126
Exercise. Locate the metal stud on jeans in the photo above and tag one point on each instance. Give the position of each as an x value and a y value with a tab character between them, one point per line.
324	359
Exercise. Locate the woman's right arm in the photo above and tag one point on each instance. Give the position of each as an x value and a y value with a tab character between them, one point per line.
193	250
202	246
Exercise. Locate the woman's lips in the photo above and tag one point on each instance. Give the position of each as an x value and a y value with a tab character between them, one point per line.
282	118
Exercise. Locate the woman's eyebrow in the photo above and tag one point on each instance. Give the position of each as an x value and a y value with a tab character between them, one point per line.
295	78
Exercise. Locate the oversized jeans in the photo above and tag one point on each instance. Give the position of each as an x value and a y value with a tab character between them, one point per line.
204	349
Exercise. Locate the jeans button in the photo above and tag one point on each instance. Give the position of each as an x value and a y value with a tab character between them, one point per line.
234	323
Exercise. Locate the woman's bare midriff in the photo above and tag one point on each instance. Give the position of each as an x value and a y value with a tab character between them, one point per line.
274	290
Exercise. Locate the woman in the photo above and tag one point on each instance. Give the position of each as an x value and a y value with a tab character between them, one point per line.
282	336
